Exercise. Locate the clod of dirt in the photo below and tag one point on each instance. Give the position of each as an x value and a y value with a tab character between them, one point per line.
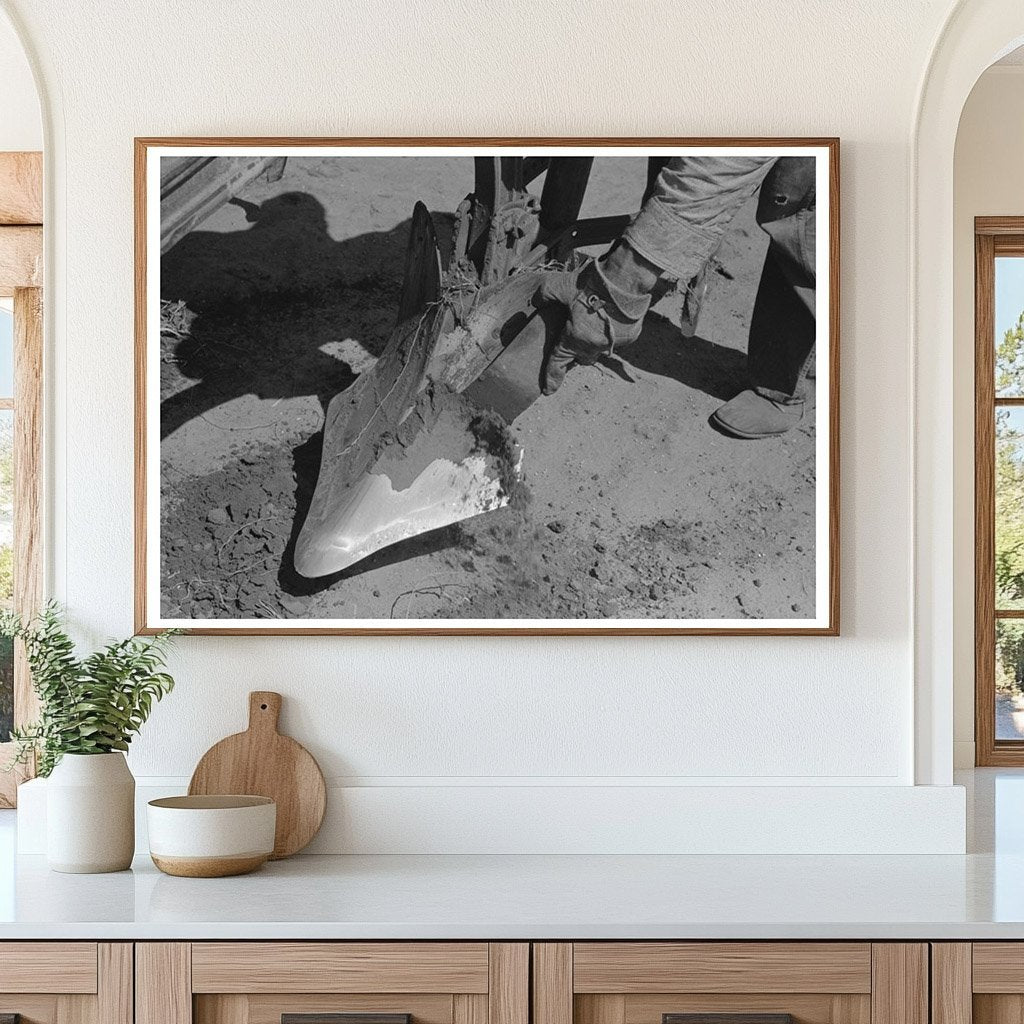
441	432
493	439
445	425
294	605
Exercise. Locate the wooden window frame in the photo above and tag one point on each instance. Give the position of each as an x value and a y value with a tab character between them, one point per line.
21	271
993	237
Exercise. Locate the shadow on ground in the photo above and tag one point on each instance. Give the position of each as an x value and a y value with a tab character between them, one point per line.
662	348
268	298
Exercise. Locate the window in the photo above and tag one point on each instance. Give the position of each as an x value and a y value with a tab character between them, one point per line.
21	364
6	510
20	501
999	490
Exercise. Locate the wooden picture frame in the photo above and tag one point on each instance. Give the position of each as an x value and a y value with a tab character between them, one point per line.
154	229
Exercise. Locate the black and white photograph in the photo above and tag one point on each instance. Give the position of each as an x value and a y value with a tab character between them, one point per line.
455	386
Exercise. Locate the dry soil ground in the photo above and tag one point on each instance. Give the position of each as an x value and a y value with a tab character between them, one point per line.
638	508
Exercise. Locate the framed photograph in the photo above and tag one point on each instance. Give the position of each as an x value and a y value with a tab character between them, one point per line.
499	386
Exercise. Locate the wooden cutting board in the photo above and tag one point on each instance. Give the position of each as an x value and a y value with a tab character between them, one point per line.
262	762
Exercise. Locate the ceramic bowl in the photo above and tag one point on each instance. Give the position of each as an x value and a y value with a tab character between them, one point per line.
211	836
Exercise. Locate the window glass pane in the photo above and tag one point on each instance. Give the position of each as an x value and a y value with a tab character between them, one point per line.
6	690
1009	481
6	567
1009	322
6	352
1009	679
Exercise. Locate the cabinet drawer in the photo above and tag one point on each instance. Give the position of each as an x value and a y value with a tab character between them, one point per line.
998	967
66	982
340	967
332	983
773	982
635	967
341	1008
65	967
730	983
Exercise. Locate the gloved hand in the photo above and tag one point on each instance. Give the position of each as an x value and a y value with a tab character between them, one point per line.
606	302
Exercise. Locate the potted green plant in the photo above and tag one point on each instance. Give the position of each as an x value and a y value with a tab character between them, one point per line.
90	708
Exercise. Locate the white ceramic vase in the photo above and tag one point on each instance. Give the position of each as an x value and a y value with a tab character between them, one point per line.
90	814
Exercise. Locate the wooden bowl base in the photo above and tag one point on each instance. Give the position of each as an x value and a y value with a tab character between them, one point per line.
209	867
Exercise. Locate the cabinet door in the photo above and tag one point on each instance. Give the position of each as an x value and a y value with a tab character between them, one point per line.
980	982
332	983
730	983
65	983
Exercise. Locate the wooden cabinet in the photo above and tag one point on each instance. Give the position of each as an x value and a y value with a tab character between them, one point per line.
66	982
977	983
379	982
980	982
499	983
752	982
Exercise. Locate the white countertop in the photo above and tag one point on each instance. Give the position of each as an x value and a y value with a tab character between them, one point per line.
496	897
977	896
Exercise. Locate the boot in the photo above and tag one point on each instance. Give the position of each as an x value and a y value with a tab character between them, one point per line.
752	416
606	300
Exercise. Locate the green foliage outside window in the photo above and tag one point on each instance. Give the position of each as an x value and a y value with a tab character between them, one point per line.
1009	510
6	574
6	688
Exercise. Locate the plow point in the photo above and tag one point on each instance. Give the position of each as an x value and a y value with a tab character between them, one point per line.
373	515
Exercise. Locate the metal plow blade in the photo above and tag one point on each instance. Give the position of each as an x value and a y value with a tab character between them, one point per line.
403	452
373	515
439	459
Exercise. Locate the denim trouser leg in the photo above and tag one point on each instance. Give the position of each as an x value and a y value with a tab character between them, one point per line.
692	204
782	332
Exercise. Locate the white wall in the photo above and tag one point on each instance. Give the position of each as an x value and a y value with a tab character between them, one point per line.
987	181
387	713
21	126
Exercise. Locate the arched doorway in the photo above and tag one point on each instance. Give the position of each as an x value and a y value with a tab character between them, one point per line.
976	34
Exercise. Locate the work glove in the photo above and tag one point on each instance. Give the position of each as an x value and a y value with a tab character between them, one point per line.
606	301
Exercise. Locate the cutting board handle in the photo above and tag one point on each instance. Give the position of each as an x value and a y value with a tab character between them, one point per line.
264	710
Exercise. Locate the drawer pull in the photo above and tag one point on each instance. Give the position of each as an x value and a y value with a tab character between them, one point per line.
727	1018
340	1018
